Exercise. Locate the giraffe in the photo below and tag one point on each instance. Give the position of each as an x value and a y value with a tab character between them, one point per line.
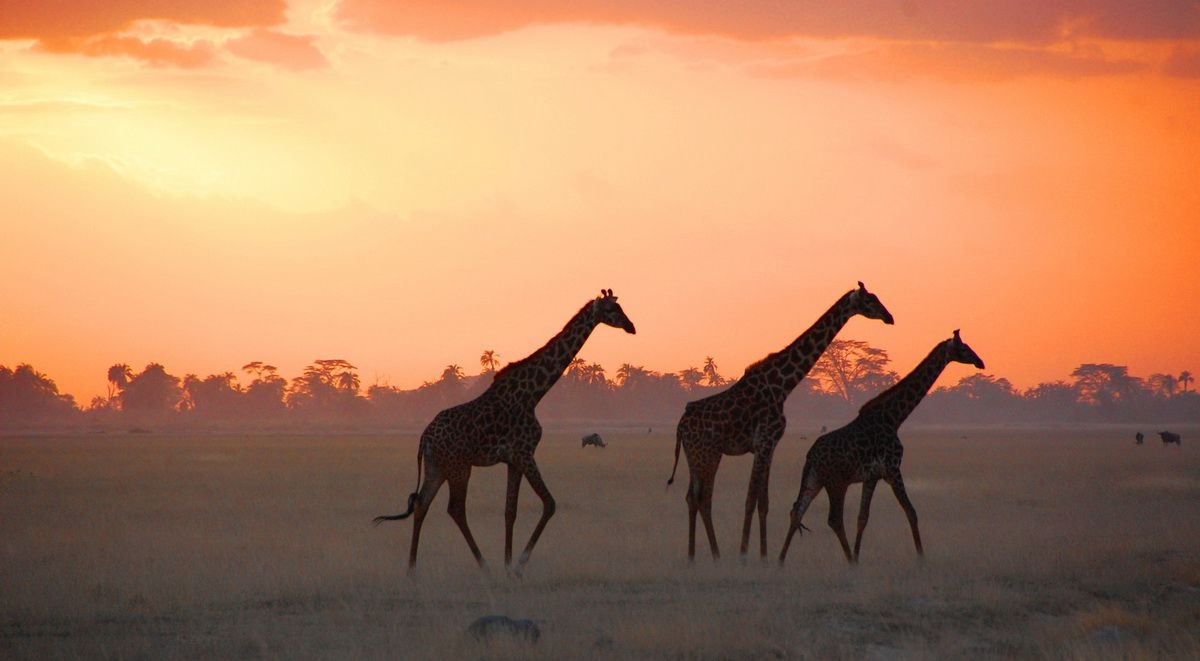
748	417
500	426
868	450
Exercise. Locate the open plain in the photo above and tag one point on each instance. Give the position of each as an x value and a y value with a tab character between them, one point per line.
1040	543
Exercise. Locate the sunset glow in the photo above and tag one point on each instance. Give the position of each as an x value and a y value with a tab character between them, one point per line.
205	184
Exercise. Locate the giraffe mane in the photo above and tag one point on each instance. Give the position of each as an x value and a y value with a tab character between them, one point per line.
507	368
878	400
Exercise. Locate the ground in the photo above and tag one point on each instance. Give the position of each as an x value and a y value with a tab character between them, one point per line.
1043	543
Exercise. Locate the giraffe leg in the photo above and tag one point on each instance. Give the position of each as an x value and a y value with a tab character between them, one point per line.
755	499
458	511
864	512
693	503
706	494
548	506
433	482
510	511
837	502
897	483
763	497
807	494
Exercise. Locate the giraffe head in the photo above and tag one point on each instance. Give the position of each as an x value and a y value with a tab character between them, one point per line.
867	304
609	312
961	353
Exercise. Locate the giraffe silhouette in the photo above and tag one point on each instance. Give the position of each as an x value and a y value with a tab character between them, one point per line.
868	450
748	417
500	426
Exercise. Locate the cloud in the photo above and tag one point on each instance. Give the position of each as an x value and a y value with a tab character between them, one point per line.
1184	62
51	19
294	52
950	61
152	51
106	28
909	20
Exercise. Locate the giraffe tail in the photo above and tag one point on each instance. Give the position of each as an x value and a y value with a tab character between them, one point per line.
678	443
412	501
412	497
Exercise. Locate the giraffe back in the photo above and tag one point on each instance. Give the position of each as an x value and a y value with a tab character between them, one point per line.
482	432
863	450
731	422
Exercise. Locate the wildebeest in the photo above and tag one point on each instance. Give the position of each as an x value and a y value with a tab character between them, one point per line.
1139	438
592	439
1170	437
492	626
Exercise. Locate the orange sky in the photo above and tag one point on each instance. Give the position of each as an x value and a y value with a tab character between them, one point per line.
403	185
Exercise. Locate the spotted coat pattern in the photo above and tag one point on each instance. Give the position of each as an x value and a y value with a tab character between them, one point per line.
748	417
499	426
869	450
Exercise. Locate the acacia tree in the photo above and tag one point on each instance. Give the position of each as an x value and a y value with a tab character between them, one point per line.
326	386
1162	385
1104	385
852	368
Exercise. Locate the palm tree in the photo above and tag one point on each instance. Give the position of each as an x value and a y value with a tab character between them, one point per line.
119	376
347	381
575	369
691	378
711	374
453	373
1185	377
488	361
593	375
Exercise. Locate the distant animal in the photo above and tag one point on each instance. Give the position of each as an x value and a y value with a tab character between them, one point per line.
496	626
593	439
1169	437
868	450
748	417
500	426
1138	438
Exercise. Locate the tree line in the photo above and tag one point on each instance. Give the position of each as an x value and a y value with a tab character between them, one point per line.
330	393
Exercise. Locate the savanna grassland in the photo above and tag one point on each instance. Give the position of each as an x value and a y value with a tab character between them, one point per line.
1039	543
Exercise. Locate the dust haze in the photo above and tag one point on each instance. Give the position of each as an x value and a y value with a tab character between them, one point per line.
1040	542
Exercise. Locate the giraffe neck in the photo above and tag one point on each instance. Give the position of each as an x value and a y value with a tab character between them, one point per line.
894	405
780	372
529	379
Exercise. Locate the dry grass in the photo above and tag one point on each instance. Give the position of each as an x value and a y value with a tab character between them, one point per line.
1039	544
